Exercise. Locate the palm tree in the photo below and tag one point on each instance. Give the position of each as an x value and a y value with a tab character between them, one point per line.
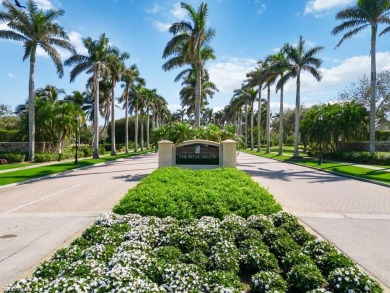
298	60
189	45
35	28
96	62
117	67
355	19
278	65
130	76
135	94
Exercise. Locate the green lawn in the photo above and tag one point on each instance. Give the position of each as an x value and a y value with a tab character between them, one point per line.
334	167
21	175
15	165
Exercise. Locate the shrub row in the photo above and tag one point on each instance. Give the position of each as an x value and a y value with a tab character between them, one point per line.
380	158
382	135
185	194
13	157
148	254
83	152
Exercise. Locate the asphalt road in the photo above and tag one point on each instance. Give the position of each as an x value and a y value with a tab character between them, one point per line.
38	217
353	215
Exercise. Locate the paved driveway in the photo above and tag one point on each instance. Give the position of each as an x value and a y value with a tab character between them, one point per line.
353	215
36	218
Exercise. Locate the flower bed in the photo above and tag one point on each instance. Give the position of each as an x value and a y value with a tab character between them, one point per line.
131	253
185	194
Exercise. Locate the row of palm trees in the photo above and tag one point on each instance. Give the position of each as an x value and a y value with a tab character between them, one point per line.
37	28
291	60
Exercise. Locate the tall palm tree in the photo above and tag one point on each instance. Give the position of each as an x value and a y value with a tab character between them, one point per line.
34	27
278	65
189	45
135	94
117	66
366	13
299	59
130	76
96	62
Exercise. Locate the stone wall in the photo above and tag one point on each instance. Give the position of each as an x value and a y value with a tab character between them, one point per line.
21	147
364	146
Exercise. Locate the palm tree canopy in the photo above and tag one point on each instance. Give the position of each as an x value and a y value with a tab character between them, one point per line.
34	28
299	59
359	17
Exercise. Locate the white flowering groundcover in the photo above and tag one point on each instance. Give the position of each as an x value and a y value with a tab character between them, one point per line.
131	253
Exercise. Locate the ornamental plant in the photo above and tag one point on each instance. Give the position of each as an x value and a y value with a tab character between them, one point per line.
268	281
305	277
351	279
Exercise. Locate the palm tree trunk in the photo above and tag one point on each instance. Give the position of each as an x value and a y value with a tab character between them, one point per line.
268	130
31	108
96	117
280	153
136	128
113	146
297	108
142	129
127	123
252	125
198	91
246	124
147	128
373	90
259	122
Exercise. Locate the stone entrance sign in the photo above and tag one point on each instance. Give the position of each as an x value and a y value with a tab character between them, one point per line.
197	154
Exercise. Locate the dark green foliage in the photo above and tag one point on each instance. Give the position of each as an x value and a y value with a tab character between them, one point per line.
382	135
224	279
379	158
10	135
256	257
305	277
264	282
13	157
352	279
293	258
169	254
184	193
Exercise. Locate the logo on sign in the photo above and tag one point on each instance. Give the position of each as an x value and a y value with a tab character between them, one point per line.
197	150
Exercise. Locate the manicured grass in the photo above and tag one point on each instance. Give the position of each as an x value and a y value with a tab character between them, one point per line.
334	167
14	165
22	175
185	193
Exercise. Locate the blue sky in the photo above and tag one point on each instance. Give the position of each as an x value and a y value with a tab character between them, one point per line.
246	31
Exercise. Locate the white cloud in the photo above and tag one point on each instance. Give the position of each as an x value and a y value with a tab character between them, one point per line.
11	75
178	12
155	8
4	26
321	6
75	39
161	26
230	75
44	4
173	107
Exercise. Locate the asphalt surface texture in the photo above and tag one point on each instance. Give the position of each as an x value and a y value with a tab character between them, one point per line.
37	218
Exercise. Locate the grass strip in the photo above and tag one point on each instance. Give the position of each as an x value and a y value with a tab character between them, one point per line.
14	165
27	174
185	194
332	167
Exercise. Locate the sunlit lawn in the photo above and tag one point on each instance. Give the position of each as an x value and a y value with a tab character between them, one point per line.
337	167
21	175
14	165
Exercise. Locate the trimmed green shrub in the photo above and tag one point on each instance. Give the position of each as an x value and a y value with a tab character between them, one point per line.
185	194
10	135
382	135
255	257
264	282
305	277
380	158
13	157
293	258
46	157
352	279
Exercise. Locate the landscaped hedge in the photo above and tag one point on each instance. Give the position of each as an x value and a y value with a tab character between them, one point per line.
13	157
195	252
148	254
185	194
380	158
